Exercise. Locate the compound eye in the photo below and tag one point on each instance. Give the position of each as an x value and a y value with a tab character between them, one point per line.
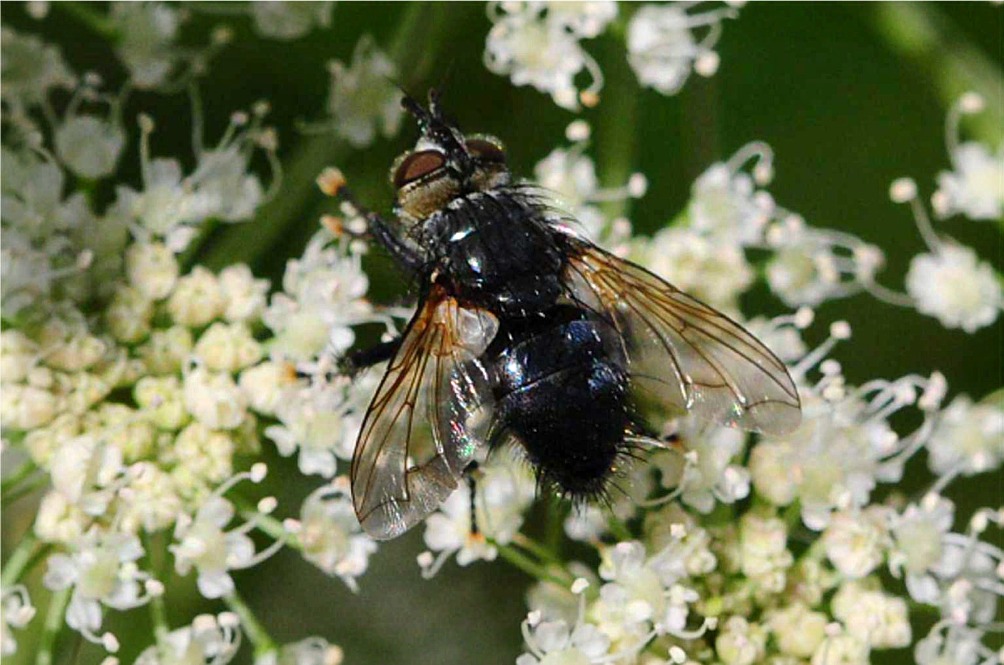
418	165
486	151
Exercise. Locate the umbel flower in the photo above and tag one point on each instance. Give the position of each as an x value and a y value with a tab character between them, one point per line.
150	388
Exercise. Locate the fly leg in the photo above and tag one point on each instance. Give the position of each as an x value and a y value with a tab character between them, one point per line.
353	363
471	474
332	183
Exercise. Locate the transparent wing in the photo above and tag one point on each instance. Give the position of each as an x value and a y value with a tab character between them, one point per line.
683	355
427	420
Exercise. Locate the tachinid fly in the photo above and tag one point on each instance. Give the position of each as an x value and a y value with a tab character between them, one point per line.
528	335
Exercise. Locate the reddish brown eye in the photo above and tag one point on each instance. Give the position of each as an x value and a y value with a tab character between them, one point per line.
486	151
418	165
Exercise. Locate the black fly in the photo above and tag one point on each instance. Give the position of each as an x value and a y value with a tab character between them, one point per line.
529	335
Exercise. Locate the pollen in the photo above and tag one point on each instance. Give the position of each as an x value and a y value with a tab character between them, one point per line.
331	181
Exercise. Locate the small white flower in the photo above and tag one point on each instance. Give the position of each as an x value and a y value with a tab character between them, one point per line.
167	350
952	645
289	20
162	401
330	535
716	272
150	500
975	187
212	639
704	474
89	146
725	203
875	618
214	399
227	348
324	295
310	651
31	68
533	45
245	296
146	46
841	649
662	47
129	315
85	470
968	439
59	520
797	629
101	569
312	420
362	98
740	642
811	265
201	456
152	269
555	643
956	288
205	544
16	611
265	385
919	533
504	492
197	299
763	550
856	542
27	407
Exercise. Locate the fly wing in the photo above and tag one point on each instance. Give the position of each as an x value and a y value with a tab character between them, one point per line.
427	420
682	355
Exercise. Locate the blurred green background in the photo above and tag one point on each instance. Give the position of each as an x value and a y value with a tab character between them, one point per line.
850	96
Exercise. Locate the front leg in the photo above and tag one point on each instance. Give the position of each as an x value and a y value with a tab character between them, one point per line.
356	361
333	183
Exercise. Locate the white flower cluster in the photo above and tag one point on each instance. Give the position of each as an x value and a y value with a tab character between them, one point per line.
568	175
362	97
537	43
133	386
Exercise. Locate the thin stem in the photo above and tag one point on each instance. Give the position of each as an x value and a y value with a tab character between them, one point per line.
9	484
537	549
529	566
19	559
271	526
256	632
52	626
97	23
158	608
616	132
618	528
24	490
923	34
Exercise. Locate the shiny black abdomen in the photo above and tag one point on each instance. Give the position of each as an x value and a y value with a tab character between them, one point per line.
561	392
559	387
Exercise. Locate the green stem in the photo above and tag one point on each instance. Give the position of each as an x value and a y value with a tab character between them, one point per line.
256	632
271	526
158	608
616	137
10	483
413	48
923	34
52	626
19	559
529	566
97	23
618	528
537	549
24	490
